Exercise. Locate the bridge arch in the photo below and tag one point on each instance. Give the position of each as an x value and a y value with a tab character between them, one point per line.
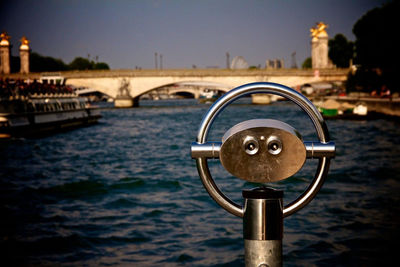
143	85
194	88
168	90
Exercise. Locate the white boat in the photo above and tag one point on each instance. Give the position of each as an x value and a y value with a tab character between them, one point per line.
37	112
208	96
361	109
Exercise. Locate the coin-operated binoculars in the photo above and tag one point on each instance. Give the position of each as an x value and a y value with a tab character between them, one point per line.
263	151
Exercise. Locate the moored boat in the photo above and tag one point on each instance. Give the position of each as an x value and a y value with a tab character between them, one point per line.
332	109
34	110
208	96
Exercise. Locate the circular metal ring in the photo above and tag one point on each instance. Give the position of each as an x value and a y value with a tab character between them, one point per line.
268	88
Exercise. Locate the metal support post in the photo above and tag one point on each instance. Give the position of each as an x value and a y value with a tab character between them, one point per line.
263	227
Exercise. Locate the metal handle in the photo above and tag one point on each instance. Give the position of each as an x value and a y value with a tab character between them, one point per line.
314	150
201	150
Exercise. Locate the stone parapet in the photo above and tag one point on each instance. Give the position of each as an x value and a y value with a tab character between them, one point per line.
200	72
183	73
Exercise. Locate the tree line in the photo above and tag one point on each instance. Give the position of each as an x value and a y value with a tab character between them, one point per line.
39	63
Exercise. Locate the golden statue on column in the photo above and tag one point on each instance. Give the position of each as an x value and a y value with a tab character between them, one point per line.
5	53
319	47
24	52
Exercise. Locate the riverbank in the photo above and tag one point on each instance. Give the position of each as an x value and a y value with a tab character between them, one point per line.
386	106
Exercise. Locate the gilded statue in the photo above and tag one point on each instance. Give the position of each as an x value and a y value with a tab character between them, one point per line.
4	37
319	30
24	41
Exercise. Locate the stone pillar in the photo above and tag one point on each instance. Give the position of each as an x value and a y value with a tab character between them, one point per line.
24	52
5	53
319	47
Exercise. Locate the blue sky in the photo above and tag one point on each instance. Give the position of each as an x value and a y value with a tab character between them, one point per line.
126	34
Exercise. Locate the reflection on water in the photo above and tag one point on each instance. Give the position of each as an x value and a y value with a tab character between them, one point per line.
126	192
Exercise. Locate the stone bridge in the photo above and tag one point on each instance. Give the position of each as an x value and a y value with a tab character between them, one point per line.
144	81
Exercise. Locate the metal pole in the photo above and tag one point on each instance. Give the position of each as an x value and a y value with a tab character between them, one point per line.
263	227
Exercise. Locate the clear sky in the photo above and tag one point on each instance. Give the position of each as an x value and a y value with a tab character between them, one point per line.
126	34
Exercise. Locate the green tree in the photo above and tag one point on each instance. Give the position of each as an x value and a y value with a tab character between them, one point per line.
376	47
307	64
39	63
101	66
80	63
341	51
376	32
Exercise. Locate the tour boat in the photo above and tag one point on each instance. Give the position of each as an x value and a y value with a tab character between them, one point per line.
22	116
32	108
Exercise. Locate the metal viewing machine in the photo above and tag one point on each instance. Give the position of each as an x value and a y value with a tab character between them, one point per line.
263	151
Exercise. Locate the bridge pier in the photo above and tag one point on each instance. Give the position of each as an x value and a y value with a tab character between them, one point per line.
126	102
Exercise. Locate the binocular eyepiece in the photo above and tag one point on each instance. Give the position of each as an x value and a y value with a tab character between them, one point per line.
262	151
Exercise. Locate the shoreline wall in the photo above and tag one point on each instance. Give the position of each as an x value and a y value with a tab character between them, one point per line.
388	106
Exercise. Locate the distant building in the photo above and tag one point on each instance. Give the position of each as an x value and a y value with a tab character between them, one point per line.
270	64
279	64
239	62
274	64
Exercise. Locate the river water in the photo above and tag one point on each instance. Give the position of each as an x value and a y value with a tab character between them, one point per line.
125	192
